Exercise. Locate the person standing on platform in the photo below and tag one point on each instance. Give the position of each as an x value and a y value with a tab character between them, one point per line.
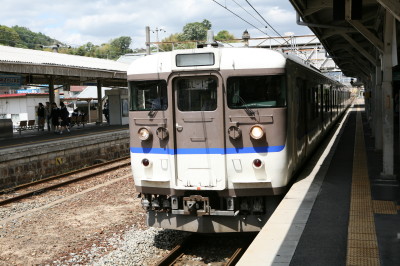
47	110
55	115
41	116
106	112
64	114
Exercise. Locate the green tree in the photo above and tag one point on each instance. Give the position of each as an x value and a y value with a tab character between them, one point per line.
196	30
87	49
33	40
120	46
103	51
9	37
224	35
174	38
90	49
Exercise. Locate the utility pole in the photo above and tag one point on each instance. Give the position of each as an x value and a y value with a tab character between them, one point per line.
156	31
147	40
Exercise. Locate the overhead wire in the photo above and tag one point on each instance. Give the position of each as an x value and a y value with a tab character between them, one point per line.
240	17
248	12
286	41
263	18
249	22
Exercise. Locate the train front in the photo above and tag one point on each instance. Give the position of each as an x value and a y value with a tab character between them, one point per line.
208	137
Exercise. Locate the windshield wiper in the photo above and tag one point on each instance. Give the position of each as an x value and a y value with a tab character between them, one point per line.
249	111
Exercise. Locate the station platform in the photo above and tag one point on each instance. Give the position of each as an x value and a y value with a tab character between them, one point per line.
34	155
27	137
339	211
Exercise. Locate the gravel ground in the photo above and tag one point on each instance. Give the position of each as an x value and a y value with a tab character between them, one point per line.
134	247
97	222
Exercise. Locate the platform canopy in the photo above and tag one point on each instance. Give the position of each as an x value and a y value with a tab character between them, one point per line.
362	38
37	67
352	31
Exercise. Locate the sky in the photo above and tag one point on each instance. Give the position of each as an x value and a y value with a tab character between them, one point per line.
77	22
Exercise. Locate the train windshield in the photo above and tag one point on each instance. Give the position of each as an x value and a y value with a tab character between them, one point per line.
256	92
197	93
148	95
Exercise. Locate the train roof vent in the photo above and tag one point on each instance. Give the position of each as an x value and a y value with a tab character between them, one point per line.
210	41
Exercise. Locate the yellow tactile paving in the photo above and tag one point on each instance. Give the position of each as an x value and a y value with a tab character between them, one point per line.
363	251
356	243
362	261
357	217
363	237
361	193
362	247
364	229
365	202
384	207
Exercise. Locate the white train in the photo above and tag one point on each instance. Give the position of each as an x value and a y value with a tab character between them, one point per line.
217	133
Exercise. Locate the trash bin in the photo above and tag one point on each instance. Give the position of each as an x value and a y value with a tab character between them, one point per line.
6	128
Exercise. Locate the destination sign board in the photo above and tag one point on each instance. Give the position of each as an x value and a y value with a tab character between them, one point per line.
10	80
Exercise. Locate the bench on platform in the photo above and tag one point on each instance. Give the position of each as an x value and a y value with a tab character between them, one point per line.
25	125
78	120
31	125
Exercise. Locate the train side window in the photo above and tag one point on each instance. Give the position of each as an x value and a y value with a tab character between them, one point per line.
256	92
150	95
326	89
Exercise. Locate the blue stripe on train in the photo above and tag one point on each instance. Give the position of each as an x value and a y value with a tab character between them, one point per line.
208	150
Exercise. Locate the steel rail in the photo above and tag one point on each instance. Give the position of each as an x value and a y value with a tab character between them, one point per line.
178	252
60	184
8	190
236	256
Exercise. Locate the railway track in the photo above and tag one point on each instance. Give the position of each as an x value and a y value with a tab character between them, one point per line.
204	247
37	187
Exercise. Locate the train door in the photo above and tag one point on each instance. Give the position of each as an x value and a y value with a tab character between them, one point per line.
326	106
199	131
301	117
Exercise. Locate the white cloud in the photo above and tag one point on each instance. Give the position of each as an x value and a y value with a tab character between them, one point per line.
76	22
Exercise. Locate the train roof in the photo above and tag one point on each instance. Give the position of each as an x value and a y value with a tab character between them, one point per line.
223	59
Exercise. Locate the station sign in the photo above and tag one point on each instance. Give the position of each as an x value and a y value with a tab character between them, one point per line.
10	80
29	91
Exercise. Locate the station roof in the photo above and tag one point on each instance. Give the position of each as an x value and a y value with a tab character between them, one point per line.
351	31
37	66
21	95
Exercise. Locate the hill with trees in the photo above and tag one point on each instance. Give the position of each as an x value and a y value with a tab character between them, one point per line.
23	37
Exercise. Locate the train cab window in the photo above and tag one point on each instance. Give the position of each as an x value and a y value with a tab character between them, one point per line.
148	95
256	92
196	93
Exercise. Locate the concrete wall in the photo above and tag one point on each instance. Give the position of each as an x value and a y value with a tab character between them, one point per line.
19	165
118	106
24	106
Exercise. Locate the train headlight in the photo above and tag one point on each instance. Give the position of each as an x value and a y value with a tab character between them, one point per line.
144	133
257	132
